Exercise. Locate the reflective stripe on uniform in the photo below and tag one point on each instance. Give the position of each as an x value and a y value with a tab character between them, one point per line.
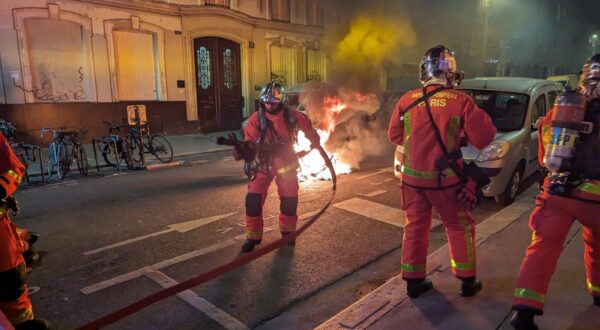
593	288
287	228
412	268
462	265
254	234
427	175
469	245
3	210
14	175
452	127
406	140
592	187
286	169
529	294
25	316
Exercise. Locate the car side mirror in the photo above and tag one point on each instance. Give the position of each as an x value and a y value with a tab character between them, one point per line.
535	126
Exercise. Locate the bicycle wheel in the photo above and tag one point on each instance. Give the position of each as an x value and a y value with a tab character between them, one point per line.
52	158
135	148
82	161
64	161
106	151
161	148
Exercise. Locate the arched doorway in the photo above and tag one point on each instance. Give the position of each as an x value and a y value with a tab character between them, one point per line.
218	83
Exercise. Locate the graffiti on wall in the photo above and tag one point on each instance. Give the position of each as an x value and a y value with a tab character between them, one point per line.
48	92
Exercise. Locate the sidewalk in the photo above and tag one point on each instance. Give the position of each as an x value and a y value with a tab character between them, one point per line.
501	241
183	145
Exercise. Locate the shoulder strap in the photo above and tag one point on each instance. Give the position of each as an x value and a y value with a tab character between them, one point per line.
436	130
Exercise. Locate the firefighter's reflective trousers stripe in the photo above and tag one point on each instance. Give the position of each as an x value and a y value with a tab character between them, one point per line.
459	224
287	189
17	309
550	223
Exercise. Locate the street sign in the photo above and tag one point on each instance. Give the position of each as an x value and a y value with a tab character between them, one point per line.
141	114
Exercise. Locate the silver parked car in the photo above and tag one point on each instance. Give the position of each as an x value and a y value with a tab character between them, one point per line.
515	105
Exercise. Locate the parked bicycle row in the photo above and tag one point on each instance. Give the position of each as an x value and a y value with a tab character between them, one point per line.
66	150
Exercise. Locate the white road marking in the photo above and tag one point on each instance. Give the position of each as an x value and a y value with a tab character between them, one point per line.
201	304
163	264
374	193
380	212
383	213
227	159
372	174
377	183
225	230
180	227
33	290
197	162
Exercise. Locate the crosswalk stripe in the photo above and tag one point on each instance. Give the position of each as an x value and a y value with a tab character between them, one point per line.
377	211
199	303
373	210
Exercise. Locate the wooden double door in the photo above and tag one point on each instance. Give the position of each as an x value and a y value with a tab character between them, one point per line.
218	83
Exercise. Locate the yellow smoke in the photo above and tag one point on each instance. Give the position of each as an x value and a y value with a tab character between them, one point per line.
372	37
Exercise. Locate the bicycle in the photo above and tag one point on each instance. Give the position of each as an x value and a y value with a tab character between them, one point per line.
64	148
155	144
27	153
114	144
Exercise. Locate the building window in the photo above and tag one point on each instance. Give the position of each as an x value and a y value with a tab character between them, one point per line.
228	69
137	65
219	3
280	10
203	60
284	65
58	60
315	14
316	65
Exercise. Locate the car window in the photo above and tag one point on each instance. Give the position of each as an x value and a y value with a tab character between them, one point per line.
539	108
552	97
506	109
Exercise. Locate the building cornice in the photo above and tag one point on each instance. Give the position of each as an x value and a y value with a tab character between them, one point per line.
185	11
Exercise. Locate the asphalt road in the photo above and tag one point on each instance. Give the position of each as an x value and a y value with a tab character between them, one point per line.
112	239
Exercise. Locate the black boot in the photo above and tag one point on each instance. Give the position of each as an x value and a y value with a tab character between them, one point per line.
249	245
33	237
597	301
470	286
523	320
416	287
293	242
35	324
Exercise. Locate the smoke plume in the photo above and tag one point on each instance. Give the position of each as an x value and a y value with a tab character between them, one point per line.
348	106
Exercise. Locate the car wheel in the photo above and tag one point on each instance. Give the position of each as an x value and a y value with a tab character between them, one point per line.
509	194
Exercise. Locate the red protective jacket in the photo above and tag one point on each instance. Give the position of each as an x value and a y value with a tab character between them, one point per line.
589	190
11	168
456	116
280	132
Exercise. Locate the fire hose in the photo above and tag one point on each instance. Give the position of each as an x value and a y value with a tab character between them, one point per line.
219	271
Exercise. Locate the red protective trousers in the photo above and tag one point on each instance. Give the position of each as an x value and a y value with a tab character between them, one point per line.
18	310
287	188
460	229
550	222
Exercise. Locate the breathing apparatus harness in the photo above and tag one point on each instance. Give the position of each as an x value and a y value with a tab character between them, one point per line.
448	159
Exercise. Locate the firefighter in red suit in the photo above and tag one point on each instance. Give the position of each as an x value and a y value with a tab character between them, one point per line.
14	301
555	213
424	186
272	131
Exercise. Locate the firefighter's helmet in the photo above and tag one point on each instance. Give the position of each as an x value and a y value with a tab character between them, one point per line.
589	81
438	66
272	97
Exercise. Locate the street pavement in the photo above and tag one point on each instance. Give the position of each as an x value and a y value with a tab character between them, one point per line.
501	241
111	239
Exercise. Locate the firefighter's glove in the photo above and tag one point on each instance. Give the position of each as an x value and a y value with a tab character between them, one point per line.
467	194
12	204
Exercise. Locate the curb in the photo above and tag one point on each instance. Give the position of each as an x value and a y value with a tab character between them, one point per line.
158	166
367	310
